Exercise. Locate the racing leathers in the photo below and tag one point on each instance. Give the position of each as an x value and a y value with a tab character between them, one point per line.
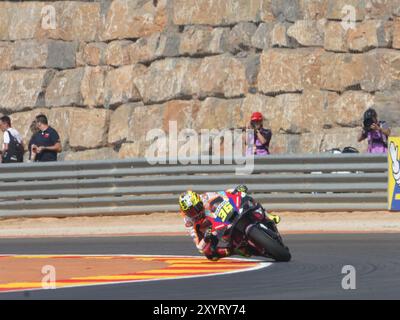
207	233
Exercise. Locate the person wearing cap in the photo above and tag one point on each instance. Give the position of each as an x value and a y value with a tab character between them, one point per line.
259	137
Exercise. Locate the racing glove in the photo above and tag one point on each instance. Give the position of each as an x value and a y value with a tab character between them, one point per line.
210	237
241	188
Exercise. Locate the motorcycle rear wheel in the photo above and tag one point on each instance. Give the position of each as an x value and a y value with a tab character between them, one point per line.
274	249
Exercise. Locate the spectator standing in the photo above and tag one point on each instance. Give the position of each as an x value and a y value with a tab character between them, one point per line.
13	148
45	144
377	132
259	138
34	130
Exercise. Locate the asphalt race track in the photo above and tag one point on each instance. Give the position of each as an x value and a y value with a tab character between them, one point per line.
314	273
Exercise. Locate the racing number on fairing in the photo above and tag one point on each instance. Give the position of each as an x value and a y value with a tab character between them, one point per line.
224	210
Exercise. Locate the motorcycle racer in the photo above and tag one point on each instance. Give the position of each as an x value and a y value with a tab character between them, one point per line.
200	219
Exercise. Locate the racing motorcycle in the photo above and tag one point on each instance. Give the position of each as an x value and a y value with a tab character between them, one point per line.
244	230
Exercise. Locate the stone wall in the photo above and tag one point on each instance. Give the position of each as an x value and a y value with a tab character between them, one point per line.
105	72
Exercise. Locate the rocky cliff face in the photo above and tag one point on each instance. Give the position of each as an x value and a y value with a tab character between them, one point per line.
106	72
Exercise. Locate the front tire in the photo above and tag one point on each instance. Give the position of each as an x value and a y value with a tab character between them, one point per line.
276	250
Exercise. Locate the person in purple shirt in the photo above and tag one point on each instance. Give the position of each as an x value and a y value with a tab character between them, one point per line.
377	132
259	137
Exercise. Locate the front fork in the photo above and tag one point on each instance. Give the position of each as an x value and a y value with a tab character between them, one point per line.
263	218
269	228
253	246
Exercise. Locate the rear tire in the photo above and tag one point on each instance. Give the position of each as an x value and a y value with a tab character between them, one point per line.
271	246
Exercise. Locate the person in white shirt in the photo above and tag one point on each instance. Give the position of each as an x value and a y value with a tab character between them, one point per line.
13	146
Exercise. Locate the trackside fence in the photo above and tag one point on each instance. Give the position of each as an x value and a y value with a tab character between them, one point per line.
325	182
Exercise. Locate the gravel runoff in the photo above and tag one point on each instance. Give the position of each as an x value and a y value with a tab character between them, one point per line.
172	223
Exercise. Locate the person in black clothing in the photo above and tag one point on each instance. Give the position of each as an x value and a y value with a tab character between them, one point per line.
45	144
13	146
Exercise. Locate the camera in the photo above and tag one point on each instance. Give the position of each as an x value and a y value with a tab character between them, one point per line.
370	117
368	123
253	124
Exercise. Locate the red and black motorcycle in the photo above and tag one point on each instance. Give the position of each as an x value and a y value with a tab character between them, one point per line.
247	226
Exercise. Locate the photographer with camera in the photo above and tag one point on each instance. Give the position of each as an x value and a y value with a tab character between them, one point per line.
259	138
377	132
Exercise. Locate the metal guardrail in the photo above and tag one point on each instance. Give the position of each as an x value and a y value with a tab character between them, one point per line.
323	182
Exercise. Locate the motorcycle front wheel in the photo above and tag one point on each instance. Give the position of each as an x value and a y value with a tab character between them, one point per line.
273	248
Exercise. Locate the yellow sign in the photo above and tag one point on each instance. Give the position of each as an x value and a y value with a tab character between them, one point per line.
394	174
